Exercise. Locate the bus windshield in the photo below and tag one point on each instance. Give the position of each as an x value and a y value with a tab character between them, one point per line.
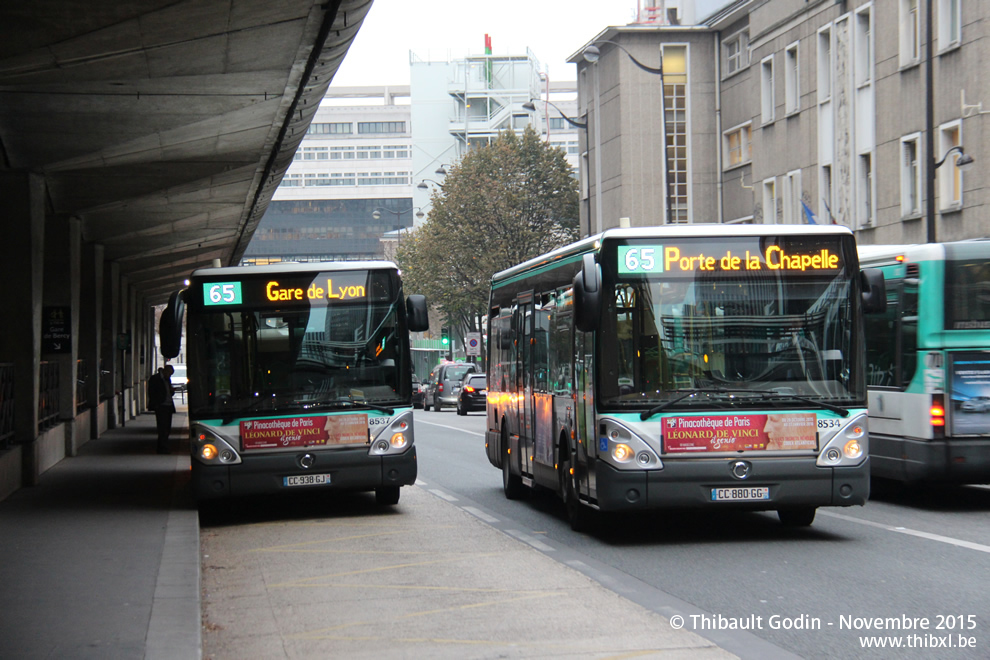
768	315
967	287
273	351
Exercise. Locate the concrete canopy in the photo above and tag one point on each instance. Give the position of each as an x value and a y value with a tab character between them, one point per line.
165	126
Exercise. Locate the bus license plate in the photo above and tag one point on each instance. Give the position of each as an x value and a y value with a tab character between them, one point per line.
740	494
307	480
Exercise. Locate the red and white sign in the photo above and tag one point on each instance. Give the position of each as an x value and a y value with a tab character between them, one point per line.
707	433
286	432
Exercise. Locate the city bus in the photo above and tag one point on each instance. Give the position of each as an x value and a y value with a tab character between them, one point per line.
928	363
711	366
300	378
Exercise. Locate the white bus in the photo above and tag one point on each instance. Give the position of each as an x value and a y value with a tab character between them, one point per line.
300	377
684	366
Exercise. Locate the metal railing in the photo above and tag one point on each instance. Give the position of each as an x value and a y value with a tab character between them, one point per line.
82	391
48	398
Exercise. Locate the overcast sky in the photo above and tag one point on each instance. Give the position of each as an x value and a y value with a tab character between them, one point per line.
438	30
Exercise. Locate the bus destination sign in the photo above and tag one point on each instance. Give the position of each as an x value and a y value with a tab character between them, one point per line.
319	288
673	259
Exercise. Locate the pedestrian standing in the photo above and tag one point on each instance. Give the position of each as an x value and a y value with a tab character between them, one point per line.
160	401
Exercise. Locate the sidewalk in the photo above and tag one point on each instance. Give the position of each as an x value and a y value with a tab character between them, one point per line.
101	558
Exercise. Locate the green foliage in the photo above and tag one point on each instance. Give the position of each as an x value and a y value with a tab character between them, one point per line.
501	205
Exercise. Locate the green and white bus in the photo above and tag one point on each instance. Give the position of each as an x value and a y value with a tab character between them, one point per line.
684	366
299	378
928	360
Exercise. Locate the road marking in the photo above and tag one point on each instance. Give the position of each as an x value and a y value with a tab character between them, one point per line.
442	495
529	540
910	532
478	513
452	428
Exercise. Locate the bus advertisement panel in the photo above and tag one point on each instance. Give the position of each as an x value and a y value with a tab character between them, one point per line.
300	376
928	365
669	366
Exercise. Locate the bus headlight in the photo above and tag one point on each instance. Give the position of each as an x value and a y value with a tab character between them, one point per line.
625	449
211	448
849	446
394	437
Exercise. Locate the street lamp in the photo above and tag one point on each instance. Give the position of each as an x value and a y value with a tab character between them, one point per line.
529	105
422	184
376	214
592	54
964	161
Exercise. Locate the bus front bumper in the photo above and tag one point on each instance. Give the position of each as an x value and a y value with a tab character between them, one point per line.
689	484
349	469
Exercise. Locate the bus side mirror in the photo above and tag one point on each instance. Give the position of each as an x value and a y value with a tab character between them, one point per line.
170	325
874	290
588	294
417	314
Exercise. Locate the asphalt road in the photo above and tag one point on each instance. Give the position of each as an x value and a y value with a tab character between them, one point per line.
919	560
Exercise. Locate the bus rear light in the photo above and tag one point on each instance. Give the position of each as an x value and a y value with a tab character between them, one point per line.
938	421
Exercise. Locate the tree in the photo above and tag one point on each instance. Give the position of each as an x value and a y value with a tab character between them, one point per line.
503	204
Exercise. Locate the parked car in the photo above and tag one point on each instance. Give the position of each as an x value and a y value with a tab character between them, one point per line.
473	394
180	380
976	404
445	384
418	392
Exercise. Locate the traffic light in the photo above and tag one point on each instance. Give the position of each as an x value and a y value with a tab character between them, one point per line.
445	337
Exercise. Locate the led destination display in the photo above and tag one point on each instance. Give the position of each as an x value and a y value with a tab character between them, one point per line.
722	256
313	289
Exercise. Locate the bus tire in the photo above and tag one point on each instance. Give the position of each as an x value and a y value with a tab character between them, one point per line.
799	517
387	495
512	484
578	515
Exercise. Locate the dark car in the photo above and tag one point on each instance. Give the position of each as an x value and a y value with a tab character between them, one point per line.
418	392
445	384
474	393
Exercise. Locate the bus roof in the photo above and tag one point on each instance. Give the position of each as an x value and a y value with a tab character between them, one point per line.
293	267
710	230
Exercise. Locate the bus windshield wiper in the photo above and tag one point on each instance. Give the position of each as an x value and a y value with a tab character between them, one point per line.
683	394
345	400
772	394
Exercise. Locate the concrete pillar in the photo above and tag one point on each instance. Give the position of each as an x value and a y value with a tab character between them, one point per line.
22	251
111	385
60	311
91	331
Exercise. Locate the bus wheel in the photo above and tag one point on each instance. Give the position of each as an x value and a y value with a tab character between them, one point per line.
512	484
578	515
800	517
387	495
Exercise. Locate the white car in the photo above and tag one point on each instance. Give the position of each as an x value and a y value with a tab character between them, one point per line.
976	404
180	381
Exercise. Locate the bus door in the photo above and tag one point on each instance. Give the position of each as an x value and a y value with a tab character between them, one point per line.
543	439
524	379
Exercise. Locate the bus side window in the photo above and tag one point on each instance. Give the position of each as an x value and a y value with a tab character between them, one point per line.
908	330
881	342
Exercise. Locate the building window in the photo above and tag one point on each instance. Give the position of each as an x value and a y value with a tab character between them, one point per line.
736	49
825	66
369	152
863	47
910	176
769	201
792	92
383	178
910	37
334	128
292	180
766	90
949	24
381	127
556	124
341	153
791	204
395	151
825	209
675	85
950	188
864	185
738	146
